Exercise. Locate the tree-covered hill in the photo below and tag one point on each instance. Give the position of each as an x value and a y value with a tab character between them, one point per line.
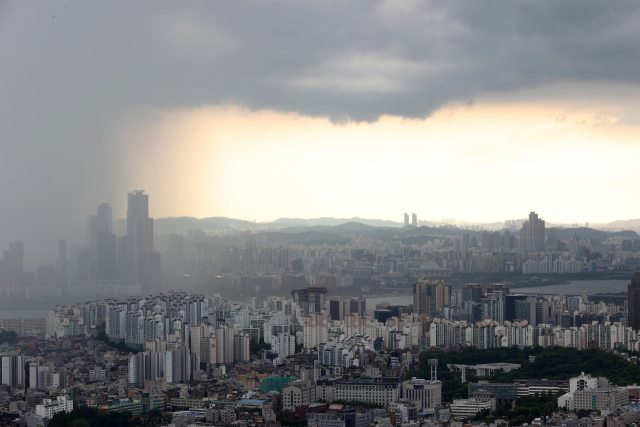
552	363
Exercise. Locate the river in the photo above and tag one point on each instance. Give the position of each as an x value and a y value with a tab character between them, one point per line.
572	288
575	287
579	287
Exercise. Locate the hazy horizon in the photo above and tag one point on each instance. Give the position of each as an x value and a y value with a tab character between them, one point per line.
320	109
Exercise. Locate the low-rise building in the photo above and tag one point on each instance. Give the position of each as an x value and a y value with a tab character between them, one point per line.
600	399
295	394
425	394
134	406
466	408
380	391
50	407
504	392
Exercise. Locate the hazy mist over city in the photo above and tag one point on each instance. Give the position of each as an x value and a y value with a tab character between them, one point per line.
367	213
479	112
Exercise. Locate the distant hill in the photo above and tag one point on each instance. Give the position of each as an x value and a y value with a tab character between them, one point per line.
305	237
292	222
336	228
625	223
590	233
183	223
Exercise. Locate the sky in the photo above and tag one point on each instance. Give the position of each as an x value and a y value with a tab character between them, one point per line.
480	110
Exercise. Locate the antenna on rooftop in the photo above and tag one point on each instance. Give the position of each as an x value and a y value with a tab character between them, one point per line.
433	363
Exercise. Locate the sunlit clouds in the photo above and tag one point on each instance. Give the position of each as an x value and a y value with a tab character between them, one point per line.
490	160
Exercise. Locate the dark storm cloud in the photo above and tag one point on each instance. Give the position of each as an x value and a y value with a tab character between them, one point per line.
71	71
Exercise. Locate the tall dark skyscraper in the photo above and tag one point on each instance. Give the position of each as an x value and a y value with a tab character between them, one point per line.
63	266
633	296
532	234
143	267
106	255
102	242
14	262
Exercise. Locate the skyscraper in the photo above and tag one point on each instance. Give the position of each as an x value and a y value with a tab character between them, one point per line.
472	292
430	296
414	220
311	299
105	255
532	234
63	266
552	239
102	242
633	297
13	263
104	218
406	219
139	233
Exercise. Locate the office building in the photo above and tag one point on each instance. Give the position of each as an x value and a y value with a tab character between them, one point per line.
587	392
378	390
336	308
532	234
503	392
472	292
310	300
295	394
430	296
414	220
406	219
358	306
510	306
468	407
423	393
633	297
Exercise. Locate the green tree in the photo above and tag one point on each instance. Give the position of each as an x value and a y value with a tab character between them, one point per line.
10	337
80	423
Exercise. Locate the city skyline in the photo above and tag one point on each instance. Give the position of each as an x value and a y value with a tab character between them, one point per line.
199	113
387	213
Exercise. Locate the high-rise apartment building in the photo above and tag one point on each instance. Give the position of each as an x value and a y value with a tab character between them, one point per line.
406	219
315	329
430	296
414	219
532	234
633	298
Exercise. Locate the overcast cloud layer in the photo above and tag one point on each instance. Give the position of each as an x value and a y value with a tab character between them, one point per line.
71	71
